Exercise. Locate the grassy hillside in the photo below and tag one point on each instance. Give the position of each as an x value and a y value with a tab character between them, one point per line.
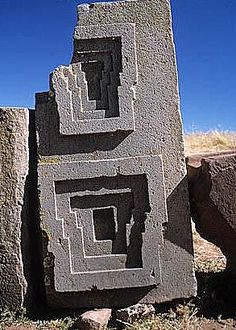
212	141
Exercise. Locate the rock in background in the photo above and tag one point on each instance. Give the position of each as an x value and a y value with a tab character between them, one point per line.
212	183
93	320
13	173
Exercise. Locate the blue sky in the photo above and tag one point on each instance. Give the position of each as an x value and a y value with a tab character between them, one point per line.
36	37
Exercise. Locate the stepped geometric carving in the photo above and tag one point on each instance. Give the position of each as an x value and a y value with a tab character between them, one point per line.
106	227
96	92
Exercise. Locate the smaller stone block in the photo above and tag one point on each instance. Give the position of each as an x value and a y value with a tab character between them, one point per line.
212	182
13	173
93	320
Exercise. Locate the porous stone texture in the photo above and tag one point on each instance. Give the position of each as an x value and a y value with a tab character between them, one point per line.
136	312
212	182
109	201
13	173
96	85
93	320
112	177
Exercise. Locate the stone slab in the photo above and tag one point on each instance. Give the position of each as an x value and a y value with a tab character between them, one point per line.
212	197
73	149
13	173
93	320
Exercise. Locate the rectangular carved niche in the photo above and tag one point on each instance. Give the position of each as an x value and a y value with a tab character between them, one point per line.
103	220
101	61
95	94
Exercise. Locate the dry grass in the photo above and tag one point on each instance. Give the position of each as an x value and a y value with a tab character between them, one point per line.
183	317
207	256
214	141
20	321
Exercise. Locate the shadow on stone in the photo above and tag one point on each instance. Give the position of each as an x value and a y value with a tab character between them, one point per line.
212	199
31	240
178	228
216	295
56	144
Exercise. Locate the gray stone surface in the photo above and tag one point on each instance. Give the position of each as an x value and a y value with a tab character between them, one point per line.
212	182
105	89
112	176
127	187
13	173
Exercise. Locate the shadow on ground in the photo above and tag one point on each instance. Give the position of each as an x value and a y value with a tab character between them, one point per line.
216	295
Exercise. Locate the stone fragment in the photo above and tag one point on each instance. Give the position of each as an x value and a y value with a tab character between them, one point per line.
212	183
93	320
136	312
13	174
112	176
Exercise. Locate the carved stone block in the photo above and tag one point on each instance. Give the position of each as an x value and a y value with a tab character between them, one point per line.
104	219
112	176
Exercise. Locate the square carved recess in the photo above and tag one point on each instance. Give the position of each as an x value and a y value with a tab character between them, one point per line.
95	94
104	222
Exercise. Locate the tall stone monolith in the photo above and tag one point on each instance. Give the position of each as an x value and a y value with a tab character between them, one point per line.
13	174
112	178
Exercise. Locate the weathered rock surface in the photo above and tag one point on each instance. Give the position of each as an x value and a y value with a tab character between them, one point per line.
135	312
13	173
212	183
93	320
